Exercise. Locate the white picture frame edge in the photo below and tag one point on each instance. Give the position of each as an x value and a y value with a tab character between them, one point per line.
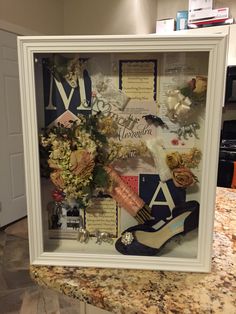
216	45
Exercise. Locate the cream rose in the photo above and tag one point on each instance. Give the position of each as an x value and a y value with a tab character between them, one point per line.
53	164
81	163
183	177
201	84
173	160
57	179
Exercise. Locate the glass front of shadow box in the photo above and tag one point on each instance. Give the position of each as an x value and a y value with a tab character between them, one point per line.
121	145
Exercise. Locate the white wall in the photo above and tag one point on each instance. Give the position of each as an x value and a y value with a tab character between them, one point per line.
99	17
40	16
168	8
57	17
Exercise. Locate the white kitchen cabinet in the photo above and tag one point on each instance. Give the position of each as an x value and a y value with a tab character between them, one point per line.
232	45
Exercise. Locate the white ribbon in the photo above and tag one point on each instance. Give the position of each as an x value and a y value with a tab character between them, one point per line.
177	104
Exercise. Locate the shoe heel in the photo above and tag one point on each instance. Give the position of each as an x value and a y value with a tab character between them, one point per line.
191	222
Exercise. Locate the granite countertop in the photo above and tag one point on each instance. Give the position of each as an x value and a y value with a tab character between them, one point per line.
141	291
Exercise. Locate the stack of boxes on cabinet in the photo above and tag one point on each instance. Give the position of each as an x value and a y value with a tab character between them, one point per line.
200	13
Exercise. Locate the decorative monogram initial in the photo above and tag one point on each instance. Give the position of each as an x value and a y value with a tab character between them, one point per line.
169	200
66	100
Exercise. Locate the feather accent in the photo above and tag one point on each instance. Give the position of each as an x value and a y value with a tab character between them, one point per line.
159	156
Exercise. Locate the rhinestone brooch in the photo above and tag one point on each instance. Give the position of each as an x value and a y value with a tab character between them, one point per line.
127	238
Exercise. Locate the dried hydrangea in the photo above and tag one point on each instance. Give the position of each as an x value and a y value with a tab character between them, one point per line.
78	152
107	126
174	160
117	150
190	159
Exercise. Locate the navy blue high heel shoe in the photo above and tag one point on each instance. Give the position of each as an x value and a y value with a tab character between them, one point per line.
147	241
154	224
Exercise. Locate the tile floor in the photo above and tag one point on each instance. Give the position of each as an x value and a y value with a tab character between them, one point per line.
18	293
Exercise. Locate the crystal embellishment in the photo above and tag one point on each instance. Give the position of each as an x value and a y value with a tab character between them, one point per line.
127	238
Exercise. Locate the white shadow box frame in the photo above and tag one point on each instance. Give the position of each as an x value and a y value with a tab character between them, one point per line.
216	47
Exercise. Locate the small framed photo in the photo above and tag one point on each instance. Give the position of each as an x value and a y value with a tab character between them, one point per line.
121	138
